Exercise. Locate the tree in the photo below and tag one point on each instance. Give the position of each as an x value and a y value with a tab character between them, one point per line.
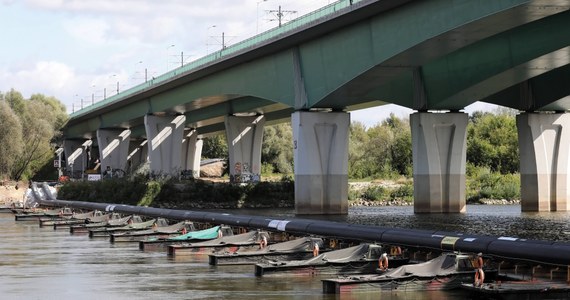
492	141
215	147
10	138
277	149
358	139
38	126
30	127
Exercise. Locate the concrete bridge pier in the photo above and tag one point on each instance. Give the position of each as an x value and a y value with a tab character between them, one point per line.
320	148
544	161
76	156
164	135
191	152
113	148
138	154
439	157
245	137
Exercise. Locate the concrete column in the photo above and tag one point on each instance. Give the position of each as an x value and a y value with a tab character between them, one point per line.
76	156
138	154
165	136
191	152
320	147
439	155
113	148
245	138
544	161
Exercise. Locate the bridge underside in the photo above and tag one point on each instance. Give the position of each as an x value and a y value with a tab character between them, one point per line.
439	55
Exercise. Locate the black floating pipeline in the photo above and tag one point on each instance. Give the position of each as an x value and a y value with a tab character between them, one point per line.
537	251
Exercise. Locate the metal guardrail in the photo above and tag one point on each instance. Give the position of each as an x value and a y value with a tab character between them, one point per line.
249	43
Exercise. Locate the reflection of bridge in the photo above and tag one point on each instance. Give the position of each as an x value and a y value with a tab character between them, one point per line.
437	55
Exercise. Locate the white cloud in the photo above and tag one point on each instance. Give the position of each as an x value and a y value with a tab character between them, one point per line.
50	78
91	31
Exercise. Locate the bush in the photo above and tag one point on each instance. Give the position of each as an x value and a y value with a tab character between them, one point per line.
170	193
375	193
489	185
404	192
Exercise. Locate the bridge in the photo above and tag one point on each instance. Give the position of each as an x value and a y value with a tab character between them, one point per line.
435	57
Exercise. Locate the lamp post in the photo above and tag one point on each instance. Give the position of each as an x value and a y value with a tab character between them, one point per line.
208	35
257	16
92	94
168	55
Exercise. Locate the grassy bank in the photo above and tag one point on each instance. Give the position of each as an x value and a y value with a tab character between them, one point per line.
482	187
182	194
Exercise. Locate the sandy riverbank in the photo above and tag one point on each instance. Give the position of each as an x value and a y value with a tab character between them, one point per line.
10	191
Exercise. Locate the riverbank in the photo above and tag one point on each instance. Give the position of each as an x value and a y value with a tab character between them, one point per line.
219	194
11	191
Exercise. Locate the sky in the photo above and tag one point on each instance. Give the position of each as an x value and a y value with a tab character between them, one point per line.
77	50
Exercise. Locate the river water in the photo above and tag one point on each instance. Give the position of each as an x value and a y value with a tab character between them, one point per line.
40	263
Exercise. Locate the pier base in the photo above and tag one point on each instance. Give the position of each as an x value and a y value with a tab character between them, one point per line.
113	148
544	161
320	143
165	136
191	153
439	153
245	138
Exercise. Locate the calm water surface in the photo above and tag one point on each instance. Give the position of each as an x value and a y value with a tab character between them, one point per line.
40	263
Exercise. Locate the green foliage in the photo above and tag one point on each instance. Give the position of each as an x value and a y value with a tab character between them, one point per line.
11	141
403	192
119	190
484	184
153	188
376	193
492	141
277	148
38	119
382	151
184	195
215	147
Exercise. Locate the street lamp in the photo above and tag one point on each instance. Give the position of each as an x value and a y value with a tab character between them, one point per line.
92	94
168	55
257	17
207	37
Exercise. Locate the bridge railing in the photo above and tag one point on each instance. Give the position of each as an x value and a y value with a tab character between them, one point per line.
246	44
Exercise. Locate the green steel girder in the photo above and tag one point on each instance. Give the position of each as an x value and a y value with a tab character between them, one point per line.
347	67
489	66
458	48
541	88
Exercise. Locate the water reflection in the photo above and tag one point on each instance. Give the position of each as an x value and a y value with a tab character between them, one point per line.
39	263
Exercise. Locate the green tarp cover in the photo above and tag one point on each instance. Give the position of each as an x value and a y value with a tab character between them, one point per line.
206	234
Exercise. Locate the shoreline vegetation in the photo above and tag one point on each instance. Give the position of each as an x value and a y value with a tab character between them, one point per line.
273	193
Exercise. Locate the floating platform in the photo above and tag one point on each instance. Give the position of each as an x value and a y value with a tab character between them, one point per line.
225	244
298	249
519	290
155	244
445	272
158	232
106	231
360	259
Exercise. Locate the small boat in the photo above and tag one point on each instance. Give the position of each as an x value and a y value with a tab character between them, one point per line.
358	259
223	244
519	289
106	220
134	223
157	232
55	213
447	271
192	236
298	249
